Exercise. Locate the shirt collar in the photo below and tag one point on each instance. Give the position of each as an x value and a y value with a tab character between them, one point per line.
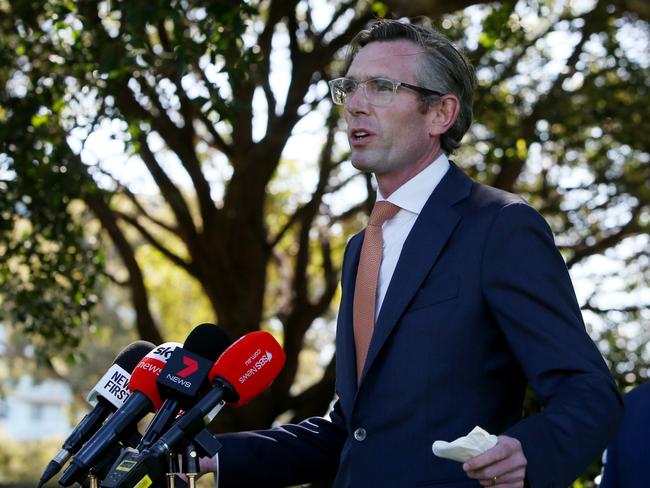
413	194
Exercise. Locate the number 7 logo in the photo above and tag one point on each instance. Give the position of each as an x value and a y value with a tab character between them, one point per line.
192	367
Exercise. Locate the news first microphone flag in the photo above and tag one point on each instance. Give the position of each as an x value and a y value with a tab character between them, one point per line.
113	387
106	397
182	381
144	398
241	373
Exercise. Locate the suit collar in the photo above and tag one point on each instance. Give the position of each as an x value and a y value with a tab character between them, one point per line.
431	231
413	195
425	242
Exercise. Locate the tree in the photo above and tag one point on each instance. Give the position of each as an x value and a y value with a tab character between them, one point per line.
192	87
154	68
566	139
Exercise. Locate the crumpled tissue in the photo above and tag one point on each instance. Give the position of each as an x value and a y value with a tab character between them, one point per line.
464	448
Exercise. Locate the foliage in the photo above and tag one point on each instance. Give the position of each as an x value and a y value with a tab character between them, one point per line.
19	459
48	266
205	102
567	139
161	79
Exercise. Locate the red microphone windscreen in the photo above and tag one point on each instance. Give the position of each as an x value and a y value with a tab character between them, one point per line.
143	378
250	365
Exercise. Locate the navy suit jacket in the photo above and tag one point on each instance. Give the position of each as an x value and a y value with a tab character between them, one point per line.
479	306
627	462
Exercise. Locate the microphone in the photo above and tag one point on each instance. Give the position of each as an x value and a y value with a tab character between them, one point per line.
106	397
143	399
185	377
241	373
249	366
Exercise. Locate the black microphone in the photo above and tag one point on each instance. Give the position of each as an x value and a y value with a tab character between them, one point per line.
106	397
181	382
185	377
241	373
143	399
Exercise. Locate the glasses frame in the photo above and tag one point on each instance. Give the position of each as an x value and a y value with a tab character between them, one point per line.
396	85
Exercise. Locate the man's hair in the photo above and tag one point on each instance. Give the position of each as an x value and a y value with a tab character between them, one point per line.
443	68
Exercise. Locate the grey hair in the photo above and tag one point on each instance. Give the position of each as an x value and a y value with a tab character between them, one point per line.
444	69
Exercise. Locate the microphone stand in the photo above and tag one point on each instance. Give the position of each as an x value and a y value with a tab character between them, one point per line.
173	469
93	481
191	464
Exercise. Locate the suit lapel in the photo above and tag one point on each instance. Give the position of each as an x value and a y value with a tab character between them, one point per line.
346	375
422	247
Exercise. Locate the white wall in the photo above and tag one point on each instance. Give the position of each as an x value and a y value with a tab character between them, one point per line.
36	411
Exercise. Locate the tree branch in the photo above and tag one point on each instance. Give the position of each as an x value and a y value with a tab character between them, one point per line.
630	228
145	324
510	172
170	192
310	402
148	237
144	213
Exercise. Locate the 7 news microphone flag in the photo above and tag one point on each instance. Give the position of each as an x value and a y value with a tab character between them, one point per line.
241	373
180	383
185	377
143	399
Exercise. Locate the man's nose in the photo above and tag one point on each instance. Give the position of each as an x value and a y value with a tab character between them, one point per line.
357	102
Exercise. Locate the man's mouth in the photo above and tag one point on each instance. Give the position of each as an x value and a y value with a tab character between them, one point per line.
359	135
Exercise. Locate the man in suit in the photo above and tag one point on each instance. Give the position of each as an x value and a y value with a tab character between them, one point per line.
626	459
473	302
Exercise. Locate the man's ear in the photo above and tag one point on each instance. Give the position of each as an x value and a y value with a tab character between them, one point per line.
443	114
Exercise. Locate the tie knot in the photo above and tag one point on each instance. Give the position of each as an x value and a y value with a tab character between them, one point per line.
381	212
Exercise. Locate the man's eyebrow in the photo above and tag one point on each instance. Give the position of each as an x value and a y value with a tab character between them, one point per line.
403	55
371	77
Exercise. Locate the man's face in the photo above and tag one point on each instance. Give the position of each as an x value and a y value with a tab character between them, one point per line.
394	142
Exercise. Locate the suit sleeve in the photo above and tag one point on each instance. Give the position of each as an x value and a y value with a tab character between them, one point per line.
610	469
290	454
529	292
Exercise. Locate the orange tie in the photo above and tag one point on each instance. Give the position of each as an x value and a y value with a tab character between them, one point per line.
365	289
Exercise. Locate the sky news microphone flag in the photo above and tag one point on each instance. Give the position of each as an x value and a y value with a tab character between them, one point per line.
242	372
144	398
182	381
106	397
185	377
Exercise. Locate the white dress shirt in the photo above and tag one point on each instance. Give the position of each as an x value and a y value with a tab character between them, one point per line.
410	197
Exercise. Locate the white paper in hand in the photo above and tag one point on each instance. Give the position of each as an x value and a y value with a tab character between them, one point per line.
464	448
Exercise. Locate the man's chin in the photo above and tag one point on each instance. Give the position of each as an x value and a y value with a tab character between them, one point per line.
363	165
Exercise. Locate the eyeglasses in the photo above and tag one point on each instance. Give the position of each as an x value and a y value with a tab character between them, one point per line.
378	91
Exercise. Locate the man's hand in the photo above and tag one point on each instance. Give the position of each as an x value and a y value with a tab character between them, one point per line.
503	466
